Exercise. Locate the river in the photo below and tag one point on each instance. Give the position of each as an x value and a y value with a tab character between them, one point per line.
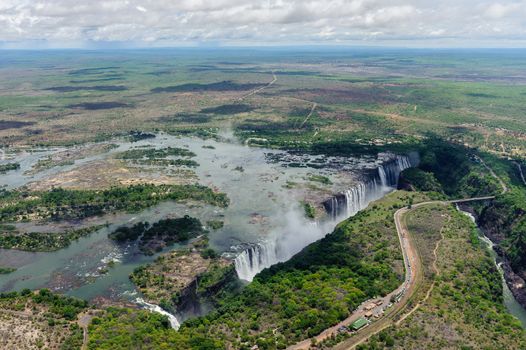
511	304
265	188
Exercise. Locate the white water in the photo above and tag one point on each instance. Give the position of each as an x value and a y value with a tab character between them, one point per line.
174	323
511	304
522	174
299	233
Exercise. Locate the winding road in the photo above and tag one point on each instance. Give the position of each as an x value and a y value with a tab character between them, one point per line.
412	281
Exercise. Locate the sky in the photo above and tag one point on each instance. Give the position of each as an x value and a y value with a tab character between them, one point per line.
168	23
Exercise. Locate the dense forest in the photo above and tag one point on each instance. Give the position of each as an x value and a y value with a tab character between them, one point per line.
152	238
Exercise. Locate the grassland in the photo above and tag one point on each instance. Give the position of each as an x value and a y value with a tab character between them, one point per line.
363	96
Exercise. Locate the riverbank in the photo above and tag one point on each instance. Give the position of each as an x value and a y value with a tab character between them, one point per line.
515	283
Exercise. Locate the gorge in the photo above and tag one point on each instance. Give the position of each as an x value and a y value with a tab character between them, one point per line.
341	206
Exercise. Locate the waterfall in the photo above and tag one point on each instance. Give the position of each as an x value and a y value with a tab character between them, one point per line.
521	173
358	197
174	323
389	172
298	235
255	258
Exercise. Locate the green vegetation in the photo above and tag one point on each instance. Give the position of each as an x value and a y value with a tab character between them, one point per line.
228	109
215	224
125	233
321	179
420	180
168	162
390	101
467	297
310	212
215	275
6	270
158	157
59	204
49	318
149	153
4	168
194	87
196	274
59	306
43	241
136	135
299	298
159	235
124	329
505	217
449	169
49	162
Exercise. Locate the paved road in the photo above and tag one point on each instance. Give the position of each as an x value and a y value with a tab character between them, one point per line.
411	256
413	277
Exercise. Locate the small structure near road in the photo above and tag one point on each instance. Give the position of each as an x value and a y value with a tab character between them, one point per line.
359	324
369	306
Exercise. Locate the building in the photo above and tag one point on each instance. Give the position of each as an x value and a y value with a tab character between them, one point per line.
369	306
359	324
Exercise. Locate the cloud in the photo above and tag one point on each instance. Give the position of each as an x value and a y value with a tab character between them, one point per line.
498	10
161	22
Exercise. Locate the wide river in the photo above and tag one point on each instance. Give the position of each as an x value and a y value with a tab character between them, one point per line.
264	191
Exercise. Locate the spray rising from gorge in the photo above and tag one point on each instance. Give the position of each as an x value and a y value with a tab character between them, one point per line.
299	233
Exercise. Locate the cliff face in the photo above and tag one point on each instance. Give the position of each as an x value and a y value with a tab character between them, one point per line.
503	221
496	222
196	300
184	281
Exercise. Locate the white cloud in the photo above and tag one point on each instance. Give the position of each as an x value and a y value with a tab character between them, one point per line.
499	10
260	21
